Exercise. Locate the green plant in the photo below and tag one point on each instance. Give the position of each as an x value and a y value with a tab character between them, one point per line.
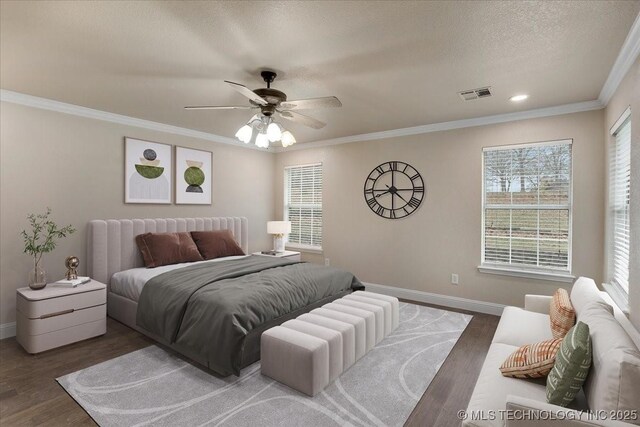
43	235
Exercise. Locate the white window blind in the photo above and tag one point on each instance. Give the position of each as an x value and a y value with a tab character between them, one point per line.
620	183
303	204
527	206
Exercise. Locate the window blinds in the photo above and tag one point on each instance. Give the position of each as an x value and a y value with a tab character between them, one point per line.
527	206
620	183
303	204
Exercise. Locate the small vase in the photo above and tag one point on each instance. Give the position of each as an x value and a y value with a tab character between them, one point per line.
37	278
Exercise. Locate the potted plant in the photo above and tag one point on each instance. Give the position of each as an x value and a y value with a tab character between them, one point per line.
42	239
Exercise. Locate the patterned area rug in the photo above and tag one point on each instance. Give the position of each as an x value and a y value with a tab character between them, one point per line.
153	387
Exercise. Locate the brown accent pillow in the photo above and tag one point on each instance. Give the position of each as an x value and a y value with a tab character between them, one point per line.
167	248
216	244
531	360
561	314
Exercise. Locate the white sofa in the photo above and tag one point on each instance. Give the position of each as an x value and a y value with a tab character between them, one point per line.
614	378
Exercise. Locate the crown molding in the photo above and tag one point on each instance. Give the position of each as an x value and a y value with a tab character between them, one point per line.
456	124
627	56
76	110
62	107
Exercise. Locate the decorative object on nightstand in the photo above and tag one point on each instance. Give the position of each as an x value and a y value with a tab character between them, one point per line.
72	262
290	255
41	239
278	229
58	316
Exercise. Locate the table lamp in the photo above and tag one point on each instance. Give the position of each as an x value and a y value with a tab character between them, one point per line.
278	229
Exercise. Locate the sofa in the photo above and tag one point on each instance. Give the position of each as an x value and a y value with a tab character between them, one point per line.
613	382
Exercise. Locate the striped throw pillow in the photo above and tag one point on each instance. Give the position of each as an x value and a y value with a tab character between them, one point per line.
561	314
531	360
572	366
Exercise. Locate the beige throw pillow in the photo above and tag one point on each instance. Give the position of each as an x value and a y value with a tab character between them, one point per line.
531	360
561	314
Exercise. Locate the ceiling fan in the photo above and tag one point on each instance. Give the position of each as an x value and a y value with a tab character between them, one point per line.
272	102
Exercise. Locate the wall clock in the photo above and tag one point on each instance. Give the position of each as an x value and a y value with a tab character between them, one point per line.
394	190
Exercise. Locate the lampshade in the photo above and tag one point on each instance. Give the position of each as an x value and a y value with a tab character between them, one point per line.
244	134
278	227
262	140
265	130
273	132
287	139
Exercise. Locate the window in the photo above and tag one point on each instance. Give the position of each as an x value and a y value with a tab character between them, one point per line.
303	205
619	185
527	208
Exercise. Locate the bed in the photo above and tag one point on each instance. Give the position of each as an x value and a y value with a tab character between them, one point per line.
215	311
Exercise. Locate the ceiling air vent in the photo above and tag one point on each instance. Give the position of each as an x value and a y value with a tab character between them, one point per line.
468	95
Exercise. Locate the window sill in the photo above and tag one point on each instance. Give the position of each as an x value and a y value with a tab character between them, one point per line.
619	296
303	248
528	274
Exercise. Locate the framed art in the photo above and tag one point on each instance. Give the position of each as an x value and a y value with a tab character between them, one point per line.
148	170
193	176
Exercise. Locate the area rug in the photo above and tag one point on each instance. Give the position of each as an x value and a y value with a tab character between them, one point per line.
154	387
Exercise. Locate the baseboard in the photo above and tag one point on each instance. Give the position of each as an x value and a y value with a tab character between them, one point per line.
437	299
7	330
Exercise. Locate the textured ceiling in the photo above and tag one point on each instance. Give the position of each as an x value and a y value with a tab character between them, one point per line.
393	64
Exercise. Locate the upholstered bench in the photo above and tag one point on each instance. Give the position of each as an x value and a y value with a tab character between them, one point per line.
296	359
311	351
358	323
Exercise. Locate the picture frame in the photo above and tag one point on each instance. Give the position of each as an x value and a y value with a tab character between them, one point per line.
148	172
194	180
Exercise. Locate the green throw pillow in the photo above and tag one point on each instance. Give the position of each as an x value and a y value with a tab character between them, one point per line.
571	367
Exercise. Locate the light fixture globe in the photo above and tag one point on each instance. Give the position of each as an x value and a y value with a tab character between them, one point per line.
262	140
274	133
287	139
244	133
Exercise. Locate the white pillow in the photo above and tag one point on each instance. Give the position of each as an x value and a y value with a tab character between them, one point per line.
583	292
613	383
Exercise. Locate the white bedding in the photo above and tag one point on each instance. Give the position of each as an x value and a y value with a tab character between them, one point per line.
129	283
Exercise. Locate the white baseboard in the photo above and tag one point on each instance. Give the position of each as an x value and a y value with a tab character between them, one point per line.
7	330
437	299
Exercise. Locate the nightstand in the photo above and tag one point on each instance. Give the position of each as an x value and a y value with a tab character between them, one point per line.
56	316
293	256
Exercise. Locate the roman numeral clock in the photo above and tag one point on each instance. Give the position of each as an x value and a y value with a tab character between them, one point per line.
394	190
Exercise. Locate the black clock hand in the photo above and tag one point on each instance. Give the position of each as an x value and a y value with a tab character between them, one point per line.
403	199
381	194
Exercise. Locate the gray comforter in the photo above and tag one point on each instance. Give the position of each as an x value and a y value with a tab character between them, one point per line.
208	309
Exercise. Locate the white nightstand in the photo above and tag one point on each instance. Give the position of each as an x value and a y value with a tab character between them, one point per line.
293	256
56	316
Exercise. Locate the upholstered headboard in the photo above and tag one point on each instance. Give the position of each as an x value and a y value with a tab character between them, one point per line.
111	245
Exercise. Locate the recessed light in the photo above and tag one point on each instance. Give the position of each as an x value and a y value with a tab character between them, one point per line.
518	98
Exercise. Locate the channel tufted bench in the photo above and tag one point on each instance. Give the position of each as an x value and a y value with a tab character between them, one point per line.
309	352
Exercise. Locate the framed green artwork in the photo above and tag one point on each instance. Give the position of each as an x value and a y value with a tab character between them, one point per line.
193	176
148	171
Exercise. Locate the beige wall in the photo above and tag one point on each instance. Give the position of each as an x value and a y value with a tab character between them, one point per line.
75	166
444	235
628	94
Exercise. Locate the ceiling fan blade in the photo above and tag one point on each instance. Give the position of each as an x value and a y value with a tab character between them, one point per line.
215	107
302	119
307	104
247	92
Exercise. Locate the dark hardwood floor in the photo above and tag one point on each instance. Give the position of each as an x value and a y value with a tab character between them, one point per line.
30	396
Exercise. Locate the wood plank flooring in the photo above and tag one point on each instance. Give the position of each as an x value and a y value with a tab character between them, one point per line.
30	396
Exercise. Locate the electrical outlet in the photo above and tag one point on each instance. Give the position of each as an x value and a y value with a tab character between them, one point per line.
327	262
454	279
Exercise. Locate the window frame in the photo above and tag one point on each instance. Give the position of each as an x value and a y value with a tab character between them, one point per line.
518	270
617	292
285	215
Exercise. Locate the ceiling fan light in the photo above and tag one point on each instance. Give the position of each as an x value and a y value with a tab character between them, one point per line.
287	139
274	133
262	140
244	133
